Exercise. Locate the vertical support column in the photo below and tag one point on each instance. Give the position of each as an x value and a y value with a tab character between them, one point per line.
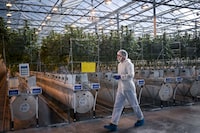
74	97
154	17
178	81
118	28
140	94
37	116
12	117
71	56
94	105
141	84
174	94
98	43
161	101
161	104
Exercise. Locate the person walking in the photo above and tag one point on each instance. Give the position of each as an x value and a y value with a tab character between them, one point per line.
126	90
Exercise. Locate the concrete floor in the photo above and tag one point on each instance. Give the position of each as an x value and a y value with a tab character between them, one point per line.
179	119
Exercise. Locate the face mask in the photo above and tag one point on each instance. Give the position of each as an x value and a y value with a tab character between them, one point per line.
119	59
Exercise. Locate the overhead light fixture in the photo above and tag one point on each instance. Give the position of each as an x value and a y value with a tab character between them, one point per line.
93	19
55	9
108	2
8	5
92	12
145	6
48	17
73	26
8	22
8	27
43	24
9	14
111	21
126	15
100	27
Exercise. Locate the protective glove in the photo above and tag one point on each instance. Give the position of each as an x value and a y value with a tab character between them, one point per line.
117	77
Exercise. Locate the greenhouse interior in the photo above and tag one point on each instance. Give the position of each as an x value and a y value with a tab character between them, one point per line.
60	45
151	30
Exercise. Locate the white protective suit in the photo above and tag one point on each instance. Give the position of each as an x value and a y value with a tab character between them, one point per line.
126	90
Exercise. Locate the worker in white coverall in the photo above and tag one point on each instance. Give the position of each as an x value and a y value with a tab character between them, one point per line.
126	90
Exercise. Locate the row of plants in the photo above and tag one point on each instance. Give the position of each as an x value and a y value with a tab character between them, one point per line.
18	46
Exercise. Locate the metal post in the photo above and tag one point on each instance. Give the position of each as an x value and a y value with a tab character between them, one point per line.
118	31
140	95
98	43
71	56
39	61
154	16
37	122
74	97
196	43
95	99
12	117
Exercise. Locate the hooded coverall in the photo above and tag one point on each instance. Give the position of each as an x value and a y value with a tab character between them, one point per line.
126	90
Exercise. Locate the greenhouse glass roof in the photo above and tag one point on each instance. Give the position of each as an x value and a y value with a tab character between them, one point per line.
152	17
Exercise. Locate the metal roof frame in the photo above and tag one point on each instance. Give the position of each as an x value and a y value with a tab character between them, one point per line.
170	16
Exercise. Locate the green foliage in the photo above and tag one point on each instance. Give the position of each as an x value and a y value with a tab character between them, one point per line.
3	35
85	46
18	44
